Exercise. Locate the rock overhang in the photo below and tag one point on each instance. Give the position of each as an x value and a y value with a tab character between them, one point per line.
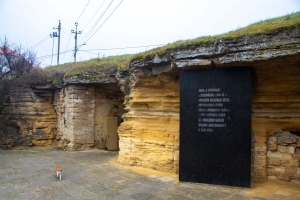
244	47
243	51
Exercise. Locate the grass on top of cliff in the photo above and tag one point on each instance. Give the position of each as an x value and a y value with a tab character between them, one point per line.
90	67
262	27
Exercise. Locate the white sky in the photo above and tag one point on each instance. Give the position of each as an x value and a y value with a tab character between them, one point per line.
134	23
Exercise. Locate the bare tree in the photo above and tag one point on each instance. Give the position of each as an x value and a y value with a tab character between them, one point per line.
15	59
16	62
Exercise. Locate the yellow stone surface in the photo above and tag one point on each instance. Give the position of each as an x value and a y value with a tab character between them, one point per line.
42	143
35	115
149	135
282	149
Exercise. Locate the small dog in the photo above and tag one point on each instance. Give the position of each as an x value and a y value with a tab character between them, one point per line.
58	172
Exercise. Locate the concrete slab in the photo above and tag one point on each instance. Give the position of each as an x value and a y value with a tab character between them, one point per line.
91	174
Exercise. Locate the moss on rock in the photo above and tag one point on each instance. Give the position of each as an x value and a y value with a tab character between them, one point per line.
268	26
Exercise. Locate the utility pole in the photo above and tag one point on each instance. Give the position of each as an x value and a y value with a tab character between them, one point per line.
79	32
55	35
52	36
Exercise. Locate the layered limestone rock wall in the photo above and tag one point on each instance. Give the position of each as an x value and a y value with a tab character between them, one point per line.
145	135
35	116
275	106
59	107
75	105
72	113
81	115
149	135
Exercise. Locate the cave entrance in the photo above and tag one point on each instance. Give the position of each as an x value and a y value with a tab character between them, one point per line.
108	111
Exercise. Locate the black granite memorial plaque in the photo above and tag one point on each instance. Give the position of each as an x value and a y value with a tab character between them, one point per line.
215	126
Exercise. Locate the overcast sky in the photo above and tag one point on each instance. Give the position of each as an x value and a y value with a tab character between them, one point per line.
134	23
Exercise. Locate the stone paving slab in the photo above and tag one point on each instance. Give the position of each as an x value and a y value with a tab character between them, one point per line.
90	174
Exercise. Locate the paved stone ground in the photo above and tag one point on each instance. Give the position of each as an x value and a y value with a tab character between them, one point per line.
30	174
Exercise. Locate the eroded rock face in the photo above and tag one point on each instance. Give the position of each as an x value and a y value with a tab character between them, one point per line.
275	105
229	52
81	114
80	111
71	113
149	135
11	137
275	60
34	116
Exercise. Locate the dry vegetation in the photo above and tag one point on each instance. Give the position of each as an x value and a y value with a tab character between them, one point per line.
98	65
91	67
263	27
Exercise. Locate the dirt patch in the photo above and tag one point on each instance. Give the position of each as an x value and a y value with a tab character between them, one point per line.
274	187
146	171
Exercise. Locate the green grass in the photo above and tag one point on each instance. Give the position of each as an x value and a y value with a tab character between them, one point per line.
263	27
92	67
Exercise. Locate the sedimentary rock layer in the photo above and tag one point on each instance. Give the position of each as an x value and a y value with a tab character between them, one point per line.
153	119
149	135
34	114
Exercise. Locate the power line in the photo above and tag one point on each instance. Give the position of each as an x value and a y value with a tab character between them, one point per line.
83	11
70	58
73	27
96	23
65	28
47	56
123	48
89	52
64	31
104	21
69	50
93	15
43	40
67	44
40	42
